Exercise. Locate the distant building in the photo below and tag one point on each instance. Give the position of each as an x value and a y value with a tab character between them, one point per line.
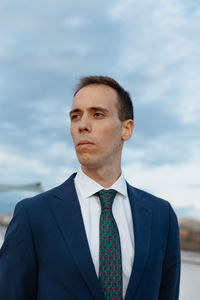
189	234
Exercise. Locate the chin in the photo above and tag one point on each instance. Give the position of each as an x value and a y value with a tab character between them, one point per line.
84	159
88	162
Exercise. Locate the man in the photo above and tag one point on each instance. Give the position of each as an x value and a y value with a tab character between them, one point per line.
94	236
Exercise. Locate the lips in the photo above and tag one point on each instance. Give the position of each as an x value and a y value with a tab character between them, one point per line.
84	142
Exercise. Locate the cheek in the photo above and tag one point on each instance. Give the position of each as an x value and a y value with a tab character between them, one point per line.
110	137
72	131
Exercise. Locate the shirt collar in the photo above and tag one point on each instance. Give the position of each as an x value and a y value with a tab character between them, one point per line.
88	187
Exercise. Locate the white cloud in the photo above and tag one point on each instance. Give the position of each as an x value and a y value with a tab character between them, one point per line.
167	167
179	184
162	42
14	163
73	21
37	165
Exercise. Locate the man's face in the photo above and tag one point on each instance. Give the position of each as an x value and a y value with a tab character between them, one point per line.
95	126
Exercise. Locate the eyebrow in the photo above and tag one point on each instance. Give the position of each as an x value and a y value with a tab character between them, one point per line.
94	108
73	111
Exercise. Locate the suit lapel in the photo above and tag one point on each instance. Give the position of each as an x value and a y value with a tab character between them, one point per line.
142	217
67	212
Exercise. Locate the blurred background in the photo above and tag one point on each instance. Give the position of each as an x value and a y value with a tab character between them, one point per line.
151	47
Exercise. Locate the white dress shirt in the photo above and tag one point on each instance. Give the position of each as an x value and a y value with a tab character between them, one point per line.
91	210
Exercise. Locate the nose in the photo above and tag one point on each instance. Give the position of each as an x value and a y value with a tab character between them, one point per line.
84	124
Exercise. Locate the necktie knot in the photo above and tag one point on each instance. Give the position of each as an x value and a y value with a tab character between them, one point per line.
106	198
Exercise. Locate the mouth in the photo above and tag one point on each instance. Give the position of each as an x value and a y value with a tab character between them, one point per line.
84	143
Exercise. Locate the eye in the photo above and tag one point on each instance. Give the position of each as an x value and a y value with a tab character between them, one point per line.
98	114
74	117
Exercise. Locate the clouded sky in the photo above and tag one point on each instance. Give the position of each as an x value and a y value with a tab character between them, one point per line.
151	47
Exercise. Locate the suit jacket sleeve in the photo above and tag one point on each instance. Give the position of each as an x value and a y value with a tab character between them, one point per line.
171	268
18	264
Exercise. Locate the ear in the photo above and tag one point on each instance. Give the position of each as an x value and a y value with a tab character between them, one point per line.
127	129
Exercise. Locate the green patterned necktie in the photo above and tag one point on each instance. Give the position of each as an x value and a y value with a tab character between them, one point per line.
110	262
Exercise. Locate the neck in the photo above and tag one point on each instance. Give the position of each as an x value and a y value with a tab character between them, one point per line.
105	176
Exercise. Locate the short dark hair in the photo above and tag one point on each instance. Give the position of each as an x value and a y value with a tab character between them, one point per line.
125	109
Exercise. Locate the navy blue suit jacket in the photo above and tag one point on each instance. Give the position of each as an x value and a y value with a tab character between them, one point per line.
45	255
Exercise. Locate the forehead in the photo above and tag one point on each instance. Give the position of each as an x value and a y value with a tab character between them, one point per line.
96	95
